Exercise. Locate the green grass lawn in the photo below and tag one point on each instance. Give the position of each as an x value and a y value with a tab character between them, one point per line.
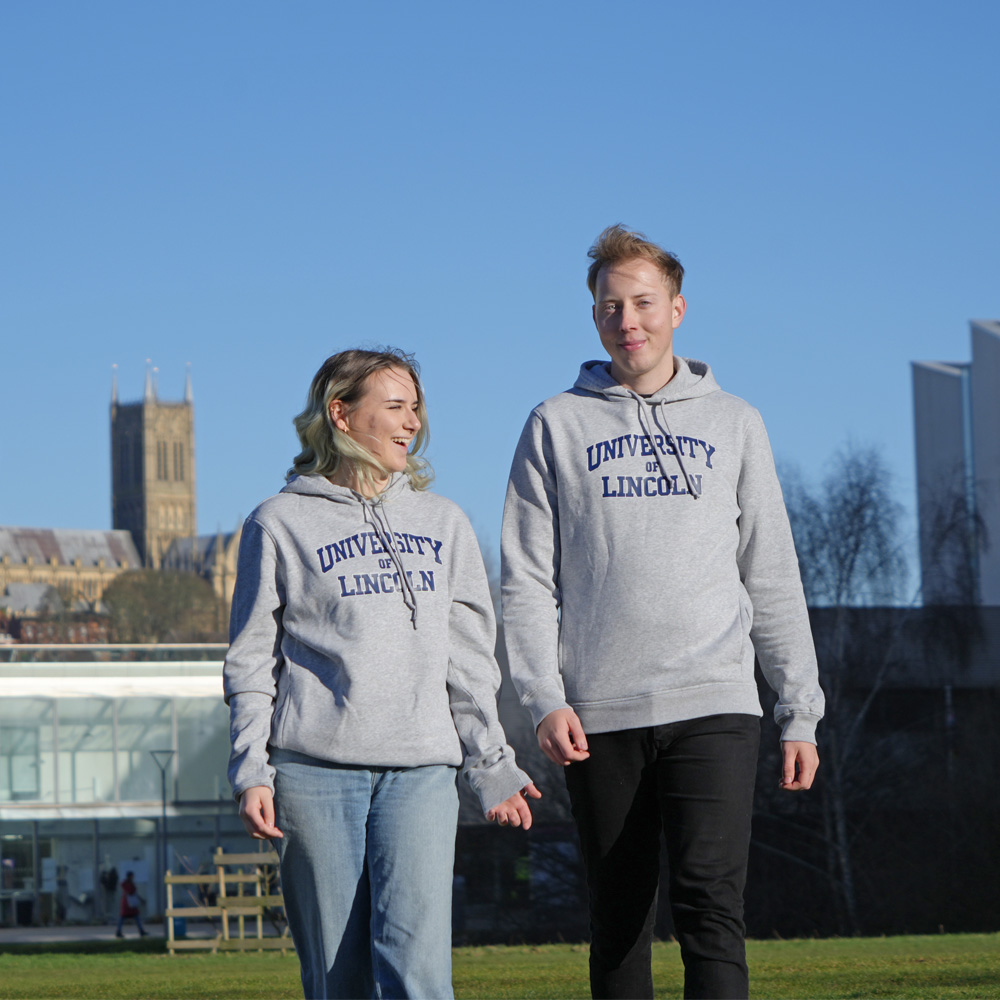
943	966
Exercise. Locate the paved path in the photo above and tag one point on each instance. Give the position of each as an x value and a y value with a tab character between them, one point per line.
89	932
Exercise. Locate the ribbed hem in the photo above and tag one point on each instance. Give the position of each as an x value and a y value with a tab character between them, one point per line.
265	781
662	707
541	703
799	728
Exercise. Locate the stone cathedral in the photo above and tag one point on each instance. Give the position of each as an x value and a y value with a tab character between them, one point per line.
152	514
153	471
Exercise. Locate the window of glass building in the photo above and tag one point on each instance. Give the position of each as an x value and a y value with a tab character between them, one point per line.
27	758
144	724
202	748
86	750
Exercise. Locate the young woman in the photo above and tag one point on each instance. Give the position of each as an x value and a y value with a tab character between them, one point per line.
360	676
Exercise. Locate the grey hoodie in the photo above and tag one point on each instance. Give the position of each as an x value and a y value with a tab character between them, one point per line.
647	556
362	632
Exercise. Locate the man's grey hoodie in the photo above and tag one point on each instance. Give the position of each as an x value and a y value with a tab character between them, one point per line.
647	557
362	632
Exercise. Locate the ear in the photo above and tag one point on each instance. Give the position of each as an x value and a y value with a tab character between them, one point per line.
679	308
338	415
593	314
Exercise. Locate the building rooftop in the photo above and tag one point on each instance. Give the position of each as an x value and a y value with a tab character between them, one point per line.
30	598
66	545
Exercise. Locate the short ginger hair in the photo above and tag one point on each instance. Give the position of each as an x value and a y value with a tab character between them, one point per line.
618	244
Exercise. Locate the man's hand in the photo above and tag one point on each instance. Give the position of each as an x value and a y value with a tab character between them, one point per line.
798	768
561	737
515	810
257	813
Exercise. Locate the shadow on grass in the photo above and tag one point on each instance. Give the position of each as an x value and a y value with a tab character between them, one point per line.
145	946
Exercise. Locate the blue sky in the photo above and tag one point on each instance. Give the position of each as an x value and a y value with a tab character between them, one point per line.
252	186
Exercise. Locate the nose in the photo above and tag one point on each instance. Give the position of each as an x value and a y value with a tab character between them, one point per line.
412	422
628	316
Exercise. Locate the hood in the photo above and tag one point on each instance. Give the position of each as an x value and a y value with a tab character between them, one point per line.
691	378
320	486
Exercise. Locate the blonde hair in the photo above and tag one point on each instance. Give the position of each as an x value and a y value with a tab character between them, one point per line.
617	244
345	376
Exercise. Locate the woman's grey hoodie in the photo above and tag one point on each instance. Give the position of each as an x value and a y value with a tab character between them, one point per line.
362	632
647	556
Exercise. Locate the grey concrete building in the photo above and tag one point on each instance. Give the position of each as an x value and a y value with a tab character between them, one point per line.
957	431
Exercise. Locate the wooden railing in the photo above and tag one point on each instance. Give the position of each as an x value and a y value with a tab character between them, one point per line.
228	904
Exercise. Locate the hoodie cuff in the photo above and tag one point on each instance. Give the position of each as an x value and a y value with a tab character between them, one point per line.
262	782
542	701
799	728
497	783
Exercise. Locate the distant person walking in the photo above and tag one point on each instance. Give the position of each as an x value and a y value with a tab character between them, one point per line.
131	901
360	676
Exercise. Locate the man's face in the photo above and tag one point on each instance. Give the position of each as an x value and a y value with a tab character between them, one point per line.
636	316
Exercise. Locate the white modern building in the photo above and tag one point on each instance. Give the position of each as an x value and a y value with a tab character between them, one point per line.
83	732
957	430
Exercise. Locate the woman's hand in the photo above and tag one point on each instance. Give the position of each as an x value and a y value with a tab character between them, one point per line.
514	811
257	813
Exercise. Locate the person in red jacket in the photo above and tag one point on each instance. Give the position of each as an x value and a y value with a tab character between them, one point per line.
130	905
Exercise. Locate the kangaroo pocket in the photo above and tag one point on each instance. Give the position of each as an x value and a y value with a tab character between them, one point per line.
398	715
626	645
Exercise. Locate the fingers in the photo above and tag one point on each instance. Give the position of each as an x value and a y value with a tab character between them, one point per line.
257	813
561	737
788	756
799	764
577	735
502	814
808	765
515	811
522	813
515	814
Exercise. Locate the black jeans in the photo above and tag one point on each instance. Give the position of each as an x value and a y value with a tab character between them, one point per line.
694	780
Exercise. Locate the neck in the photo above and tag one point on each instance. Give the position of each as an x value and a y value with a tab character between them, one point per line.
646	383
347	476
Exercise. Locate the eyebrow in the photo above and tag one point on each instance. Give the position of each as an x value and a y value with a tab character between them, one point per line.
619	298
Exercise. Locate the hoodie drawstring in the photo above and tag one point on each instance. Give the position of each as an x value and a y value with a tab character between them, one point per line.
385	536
667	437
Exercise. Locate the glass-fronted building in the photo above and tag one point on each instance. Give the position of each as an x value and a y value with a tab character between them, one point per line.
83	797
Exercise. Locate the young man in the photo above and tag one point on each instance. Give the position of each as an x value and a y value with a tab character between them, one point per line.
647	558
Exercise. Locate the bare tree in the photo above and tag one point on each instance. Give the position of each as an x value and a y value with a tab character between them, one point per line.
849	543
953	537
847	533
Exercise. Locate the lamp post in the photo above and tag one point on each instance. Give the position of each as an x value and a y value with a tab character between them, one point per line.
162	758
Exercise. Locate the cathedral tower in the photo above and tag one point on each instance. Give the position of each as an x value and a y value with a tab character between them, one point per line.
152	470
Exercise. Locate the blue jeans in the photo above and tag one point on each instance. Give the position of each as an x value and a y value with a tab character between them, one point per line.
366	870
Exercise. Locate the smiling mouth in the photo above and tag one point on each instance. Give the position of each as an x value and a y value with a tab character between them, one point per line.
405	442
632	345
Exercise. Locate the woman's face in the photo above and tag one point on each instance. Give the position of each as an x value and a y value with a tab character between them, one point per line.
385	419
